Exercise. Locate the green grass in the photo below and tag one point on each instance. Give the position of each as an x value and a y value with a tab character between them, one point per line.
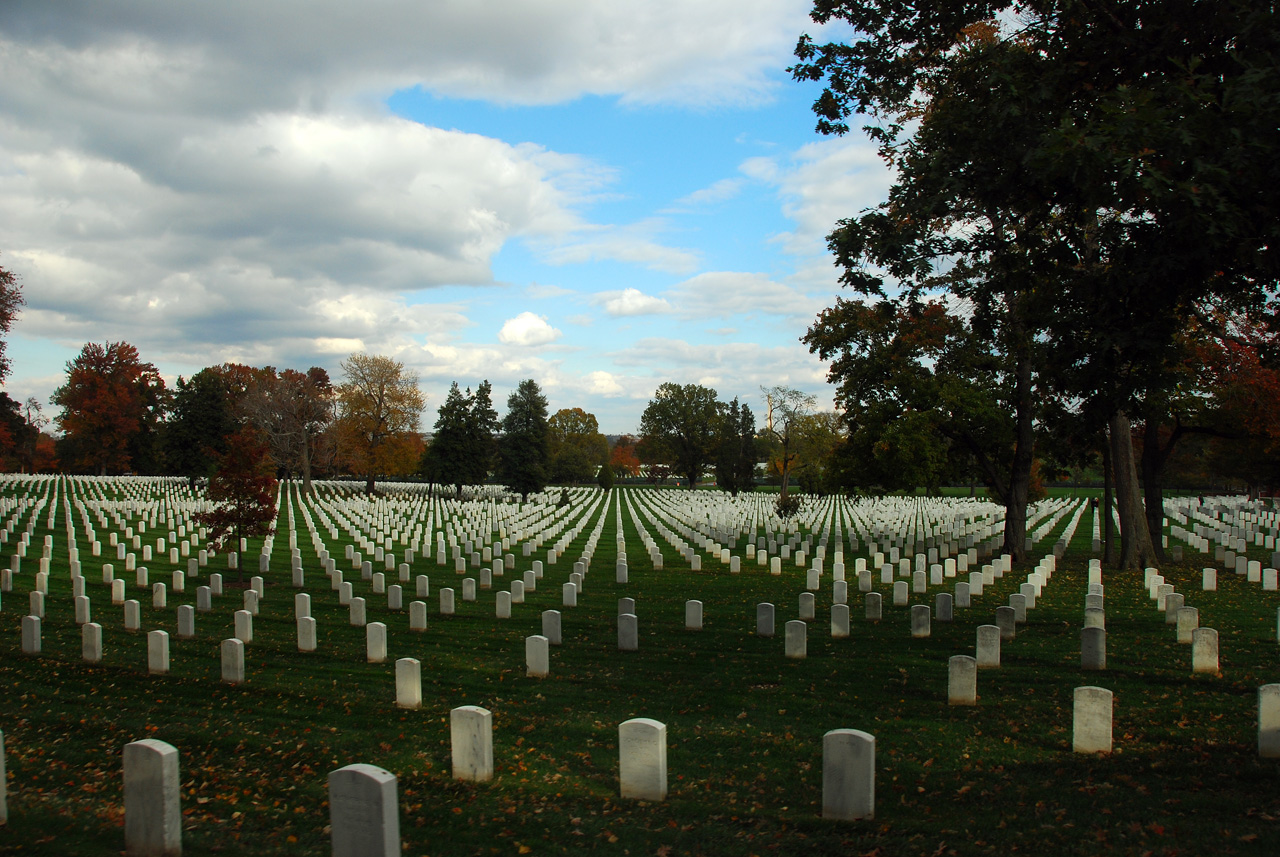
745	724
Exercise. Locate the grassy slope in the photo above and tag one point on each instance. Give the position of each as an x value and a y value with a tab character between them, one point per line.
745	725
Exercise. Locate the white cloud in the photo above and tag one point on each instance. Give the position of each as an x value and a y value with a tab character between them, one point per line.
636	243
539	291
820	184
629	302
527	329
721	191
722	294
218	56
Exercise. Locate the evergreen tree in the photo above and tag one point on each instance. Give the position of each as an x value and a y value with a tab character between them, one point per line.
736	449
522	450
462	446
196	433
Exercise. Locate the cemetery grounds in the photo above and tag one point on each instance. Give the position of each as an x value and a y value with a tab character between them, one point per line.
744	723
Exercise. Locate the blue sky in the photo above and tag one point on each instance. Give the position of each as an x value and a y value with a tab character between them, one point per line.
602	197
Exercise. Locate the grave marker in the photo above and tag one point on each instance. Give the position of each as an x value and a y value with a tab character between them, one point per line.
537	656
1091	721
364	812
797	640
471	737
152	799
962	680
551	626
408	683
233	661
988	647
642	759
848	775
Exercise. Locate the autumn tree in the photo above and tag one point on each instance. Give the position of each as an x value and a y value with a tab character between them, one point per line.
576	445
112	404
379	403
523	447
623	457
10	300
244	490
293	408
786	408
679	428
15	433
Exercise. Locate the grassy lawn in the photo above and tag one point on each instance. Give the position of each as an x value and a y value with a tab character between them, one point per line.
744	723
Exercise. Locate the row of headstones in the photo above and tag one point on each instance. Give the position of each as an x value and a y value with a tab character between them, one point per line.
364	811
364	807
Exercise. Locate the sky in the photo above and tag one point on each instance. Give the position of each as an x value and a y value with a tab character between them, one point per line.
601	196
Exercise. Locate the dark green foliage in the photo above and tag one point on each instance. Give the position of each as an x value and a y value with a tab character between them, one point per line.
199	422
522	449
736	449
604	478
462	447
679	428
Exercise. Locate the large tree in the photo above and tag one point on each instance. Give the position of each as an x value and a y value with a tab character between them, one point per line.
10	300
679	428
378	404
736	449
522	448
111	404
577	447
1080	174
292	409
462	444
786	408
200	421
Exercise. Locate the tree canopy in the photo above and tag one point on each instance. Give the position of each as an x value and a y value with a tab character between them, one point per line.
378	405
462	445
1081	178
577	447
679	427
522	449
111	405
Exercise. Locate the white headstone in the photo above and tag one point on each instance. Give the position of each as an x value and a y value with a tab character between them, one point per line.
233	661
364	812
797	639
471	734
152	799
1091	723
848	775
1204	650
91	642
375	642
693	615
409	683
642	759
158	652
988	647
537	656
962	680
1268	722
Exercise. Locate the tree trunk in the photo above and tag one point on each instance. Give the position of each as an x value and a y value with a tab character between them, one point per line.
1108	523
1153	459
1135	540
306	464
1015	515
369	485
